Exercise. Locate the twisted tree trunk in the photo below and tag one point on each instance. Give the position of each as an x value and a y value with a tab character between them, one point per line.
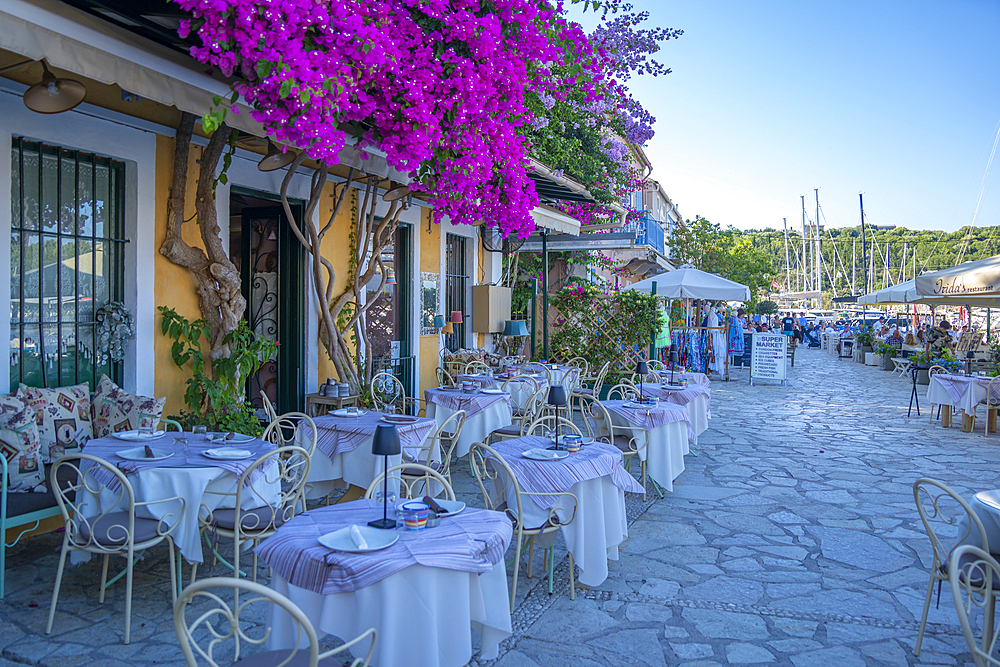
219	285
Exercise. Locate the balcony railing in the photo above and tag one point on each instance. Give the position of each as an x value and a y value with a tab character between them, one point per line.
648	231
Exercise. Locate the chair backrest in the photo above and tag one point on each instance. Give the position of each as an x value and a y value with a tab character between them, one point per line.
446	436
535	367
387	391
936	504
284	469
621	390
414	481
164	422
521	388
658	366
489	476
935	369
476	366
444	378
649	378
579	363
285	430
269	410
549	423
973	574
993	393
571	380
601	375
215	625
104	482
594	412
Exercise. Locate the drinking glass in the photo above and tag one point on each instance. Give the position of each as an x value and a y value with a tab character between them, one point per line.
147	425
199	432
630	396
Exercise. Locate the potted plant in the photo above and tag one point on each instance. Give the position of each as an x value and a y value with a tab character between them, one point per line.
886	352
866	339
922	359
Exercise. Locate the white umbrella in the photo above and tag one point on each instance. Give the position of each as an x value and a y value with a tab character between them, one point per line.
906	292
692	283
964	280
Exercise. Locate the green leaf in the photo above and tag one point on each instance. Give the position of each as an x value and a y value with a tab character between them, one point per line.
264	68
286	88
216	100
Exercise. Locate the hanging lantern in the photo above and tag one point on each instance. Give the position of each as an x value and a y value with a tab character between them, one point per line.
390	277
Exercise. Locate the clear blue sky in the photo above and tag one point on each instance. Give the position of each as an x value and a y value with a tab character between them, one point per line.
769	99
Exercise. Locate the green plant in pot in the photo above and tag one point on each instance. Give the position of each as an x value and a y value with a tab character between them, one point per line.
866	338
886	352
216	391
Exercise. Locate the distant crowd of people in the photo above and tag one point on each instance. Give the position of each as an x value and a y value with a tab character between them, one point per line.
936	338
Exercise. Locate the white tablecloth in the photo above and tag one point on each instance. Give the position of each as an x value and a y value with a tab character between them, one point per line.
664	454
422	615
478	425
990	518
357	466
961	391
200	487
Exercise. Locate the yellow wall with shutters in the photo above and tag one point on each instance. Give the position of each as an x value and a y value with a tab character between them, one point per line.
430	261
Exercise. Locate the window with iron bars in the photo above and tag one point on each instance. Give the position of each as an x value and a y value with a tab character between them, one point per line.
67	261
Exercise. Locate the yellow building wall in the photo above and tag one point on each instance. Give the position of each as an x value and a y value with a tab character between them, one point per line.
175	286
337	250
430	261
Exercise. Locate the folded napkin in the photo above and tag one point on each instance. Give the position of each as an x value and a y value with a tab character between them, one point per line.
358	538
433	505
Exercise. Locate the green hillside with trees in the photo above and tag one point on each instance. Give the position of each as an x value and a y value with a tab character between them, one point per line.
934	250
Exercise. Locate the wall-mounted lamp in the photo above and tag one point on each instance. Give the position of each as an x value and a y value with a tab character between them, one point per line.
52	94
438	321
456	316
275	159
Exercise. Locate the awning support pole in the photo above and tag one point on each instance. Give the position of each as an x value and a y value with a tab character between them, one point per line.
534	316
652	338
545	295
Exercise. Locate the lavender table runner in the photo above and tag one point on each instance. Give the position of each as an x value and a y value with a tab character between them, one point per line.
339	435
661	415
678	396
185	455
473	541
591	462
458	400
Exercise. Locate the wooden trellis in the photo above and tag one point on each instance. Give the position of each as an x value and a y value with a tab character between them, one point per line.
599	335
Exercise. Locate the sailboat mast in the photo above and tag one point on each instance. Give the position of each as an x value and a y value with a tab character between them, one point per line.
854	266
788	265
864	249
805	248
819	256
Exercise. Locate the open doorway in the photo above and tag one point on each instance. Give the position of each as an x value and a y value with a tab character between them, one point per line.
269	259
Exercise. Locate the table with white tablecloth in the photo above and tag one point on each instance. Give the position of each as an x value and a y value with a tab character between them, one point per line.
520	387
484	413
344	450
596	476
699	379
669	431
201	481
964	392
423	595
696	399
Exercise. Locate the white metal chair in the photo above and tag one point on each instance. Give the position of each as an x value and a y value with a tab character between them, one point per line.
535	367
550	423
216	624
934	370
974	575
269	410
444	378
627	442
284	431
621	391
531	411
114	529
936	505
446	438
579	363
279	474
389	395
411	476
992	403
476	366
488	476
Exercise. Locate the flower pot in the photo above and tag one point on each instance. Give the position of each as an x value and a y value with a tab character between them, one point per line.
885	361
871	359
866	348
923	377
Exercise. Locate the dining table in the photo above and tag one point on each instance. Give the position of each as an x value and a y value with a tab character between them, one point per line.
963	392
424	592
206	483
694	398
595	475
668	430
485	412
557	372
344	448
699	379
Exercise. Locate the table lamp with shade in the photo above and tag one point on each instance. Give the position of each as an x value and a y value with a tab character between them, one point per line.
557	399
385	443
513	329
641	368
673	361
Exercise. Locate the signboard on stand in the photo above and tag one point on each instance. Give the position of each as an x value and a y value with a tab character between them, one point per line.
768	357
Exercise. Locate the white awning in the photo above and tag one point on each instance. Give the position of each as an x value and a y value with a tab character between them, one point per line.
968	279
551	219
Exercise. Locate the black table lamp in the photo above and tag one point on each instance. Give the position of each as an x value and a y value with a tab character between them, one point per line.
641	369
385	443
969	356
557	399
673	361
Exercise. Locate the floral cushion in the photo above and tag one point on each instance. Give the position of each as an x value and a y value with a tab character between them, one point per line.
62	416
116	410
19	444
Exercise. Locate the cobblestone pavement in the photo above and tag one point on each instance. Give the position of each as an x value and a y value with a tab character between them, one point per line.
790	539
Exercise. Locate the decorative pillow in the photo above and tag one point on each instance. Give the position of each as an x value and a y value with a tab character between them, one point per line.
20	446
116	410
62	416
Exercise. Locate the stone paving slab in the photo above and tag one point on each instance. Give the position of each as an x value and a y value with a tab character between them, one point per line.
790	539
